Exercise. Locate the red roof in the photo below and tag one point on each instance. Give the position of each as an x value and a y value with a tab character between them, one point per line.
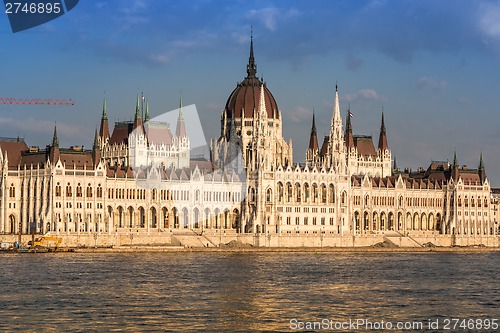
245	99
158	133
14	148
121	132
364	145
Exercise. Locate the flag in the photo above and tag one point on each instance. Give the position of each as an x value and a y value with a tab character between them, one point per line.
350	114
143	99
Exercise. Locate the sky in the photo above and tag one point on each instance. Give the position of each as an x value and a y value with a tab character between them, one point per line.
433	67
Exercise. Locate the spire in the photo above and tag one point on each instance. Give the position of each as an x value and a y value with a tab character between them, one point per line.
104	129
394	166
138	116
104	114
349	139
262	103
336	145
96	144
54	149
180	130
181	115
313	139
96	150
455	174
481	170
336	106
251	67
146	116
313	150
55	141
382	140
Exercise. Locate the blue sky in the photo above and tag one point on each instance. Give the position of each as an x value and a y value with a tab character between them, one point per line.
433	66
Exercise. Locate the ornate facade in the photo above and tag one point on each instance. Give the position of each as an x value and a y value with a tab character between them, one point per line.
141	177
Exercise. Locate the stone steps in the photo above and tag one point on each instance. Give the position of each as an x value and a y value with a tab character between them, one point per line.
402	241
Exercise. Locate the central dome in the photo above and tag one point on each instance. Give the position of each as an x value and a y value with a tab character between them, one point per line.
244	100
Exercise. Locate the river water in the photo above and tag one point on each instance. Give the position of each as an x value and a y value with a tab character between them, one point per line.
246	292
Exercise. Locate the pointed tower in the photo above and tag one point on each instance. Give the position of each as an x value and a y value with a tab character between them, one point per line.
336	146
96	150
146	116
54	148
382	140
349	139
104	129
312	152
481	171
251	67
180	130
455	173
137	117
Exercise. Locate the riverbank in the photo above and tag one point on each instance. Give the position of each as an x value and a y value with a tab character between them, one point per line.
290	249
232	242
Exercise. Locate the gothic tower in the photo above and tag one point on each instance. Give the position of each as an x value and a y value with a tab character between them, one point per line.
336	156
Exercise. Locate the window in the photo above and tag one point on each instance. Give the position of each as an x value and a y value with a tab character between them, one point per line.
12	191
79	190
89	191
269	195
280	192
69	193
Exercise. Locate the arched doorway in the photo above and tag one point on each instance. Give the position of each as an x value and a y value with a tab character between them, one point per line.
154	223
390	223
131	217
366	221
196	218
208	224
175	213
185	216
357	223
12	224
164	214
236	220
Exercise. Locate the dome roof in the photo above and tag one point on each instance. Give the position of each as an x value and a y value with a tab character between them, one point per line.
244	100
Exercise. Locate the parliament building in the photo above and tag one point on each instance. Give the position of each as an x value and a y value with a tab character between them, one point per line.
141	178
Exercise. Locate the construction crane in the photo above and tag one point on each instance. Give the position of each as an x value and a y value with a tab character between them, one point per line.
31	101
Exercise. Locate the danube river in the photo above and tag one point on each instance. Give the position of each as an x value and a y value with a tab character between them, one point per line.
246	292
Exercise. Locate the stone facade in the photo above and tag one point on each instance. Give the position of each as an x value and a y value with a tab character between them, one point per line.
141	181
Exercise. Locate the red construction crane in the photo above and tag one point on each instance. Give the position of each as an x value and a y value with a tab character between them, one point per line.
27	101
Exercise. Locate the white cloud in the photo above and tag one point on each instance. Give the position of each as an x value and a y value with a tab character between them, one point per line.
269	16
299	115
427	82
363	94
159	58
489	22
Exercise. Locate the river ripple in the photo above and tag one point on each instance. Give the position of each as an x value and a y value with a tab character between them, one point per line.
240	292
